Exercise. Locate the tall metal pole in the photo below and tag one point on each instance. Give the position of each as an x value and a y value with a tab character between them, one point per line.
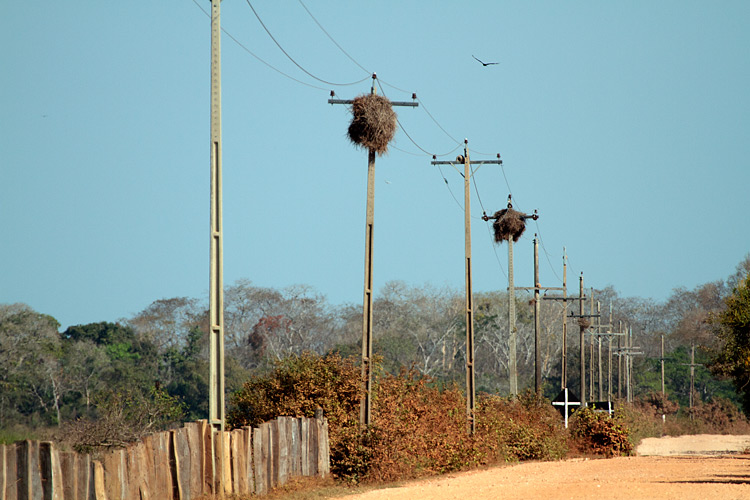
583	342
537	316
216	409
365	407
564	371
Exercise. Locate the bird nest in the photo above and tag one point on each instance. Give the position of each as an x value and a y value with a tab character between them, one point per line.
508	224
584	323
373	122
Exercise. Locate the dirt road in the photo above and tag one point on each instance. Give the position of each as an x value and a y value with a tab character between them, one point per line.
686	468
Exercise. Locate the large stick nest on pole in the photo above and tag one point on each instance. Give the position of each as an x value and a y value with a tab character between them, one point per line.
508	224
373	122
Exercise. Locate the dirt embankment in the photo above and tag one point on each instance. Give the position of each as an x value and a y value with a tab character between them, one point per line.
684	468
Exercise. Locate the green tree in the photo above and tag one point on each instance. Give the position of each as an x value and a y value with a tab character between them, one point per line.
732	328
31	380
133	361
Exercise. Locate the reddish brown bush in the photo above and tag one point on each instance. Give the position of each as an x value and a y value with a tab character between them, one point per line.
599	433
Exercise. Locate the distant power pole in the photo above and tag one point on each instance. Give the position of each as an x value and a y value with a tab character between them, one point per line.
583	341
365	408
663	392
692	366
537	326
469	304
565	299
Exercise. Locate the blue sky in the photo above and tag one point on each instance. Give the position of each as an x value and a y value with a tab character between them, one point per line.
625	124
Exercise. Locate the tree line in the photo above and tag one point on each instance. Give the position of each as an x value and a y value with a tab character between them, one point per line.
50	376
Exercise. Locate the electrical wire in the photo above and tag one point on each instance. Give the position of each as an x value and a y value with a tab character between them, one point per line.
292	59
256	56
334	41
546	253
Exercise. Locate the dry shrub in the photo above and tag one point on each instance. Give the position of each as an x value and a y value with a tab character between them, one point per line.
508	224
419	429
296	387
122	417
599	433
373	122
719	416
526	428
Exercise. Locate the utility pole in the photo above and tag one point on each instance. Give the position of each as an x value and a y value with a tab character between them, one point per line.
692	366
583	342
619	362
599	339
564	369
365	407
469	303
628	352
512	331
663	392
591	348
537	314
565	299
216	408
609	334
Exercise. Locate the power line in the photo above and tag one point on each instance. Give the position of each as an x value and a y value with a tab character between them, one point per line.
243	47
334	41
546	253
291	58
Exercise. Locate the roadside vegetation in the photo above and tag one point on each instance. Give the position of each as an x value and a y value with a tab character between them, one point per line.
289	352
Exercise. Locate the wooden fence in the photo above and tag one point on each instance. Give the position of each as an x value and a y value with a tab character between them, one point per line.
181	464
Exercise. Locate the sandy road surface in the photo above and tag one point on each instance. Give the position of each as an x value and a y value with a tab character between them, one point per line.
691	475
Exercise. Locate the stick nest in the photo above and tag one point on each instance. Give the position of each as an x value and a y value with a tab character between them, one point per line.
508	224
584	323
373	122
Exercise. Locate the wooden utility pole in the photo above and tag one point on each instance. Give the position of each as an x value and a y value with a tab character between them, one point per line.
365	407
216	408
469	304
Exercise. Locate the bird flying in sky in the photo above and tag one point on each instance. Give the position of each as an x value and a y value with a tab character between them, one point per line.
484	63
